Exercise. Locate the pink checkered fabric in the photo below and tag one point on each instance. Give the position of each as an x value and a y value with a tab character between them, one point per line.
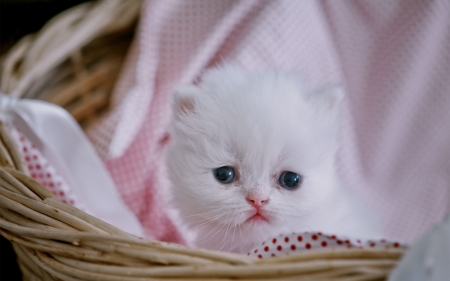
392	57
44	172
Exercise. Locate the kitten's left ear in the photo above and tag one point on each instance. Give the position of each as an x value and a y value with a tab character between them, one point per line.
327	99
185	97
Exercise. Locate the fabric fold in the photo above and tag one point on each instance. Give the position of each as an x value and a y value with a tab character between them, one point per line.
55	133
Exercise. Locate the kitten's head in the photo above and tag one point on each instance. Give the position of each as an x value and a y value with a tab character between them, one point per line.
251	152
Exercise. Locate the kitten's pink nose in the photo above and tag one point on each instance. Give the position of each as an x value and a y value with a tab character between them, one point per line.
257	201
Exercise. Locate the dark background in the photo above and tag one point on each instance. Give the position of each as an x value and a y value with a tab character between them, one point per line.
19	18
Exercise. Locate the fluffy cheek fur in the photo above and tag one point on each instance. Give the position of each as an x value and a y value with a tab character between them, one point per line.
219	213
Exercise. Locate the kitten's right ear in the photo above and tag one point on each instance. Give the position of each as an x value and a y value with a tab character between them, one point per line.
185	97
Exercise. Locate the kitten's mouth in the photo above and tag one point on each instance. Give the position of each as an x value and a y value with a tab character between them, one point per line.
257	218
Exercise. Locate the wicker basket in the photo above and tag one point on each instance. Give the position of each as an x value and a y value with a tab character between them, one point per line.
73	62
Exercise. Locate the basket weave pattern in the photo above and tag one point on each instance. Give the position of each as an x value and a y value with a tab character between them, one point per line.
73	61
55	241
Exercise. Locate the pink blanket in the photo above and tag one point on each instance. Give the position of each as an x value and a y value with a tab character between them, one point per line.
392	57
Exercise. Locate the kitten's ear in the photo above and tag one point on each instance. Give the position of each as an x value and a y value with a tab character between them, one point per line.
185	97
327	99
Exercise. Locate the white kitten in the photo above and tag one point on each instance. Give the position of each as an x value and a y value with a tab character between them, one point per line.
253	155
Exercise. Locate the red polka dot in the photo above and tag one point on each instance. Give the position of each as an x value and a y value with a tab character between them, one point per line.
273	255
293	247
359	241
51	184
299	238
274	240
30	167
27	158
266	249
286	239
34	157
308	246
372	244
48	175
71	202
319	233
347	242
38	166
314	237
33	175
22	139
259	257
279	248
248	254
339	242
333	236
61	193
396	245
256	251
25	149
324	243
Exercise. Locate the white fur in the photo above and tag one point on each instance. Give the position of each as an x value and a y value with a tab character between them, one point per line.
262	124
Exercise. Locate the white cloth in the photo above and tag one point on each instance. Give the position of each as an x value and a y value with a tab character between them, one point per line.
61	141
428	259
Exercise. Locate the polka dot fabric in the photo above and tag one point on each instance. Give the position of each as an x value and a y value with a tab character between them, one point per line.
299	242
42	171
391	56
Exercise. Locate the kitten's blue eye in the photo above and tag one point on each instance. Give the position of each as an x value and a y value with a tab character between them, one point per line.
289	180
225	174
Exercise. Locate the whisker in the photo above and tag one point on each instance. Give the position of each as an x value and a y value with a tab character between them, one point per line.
205	221
218	227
